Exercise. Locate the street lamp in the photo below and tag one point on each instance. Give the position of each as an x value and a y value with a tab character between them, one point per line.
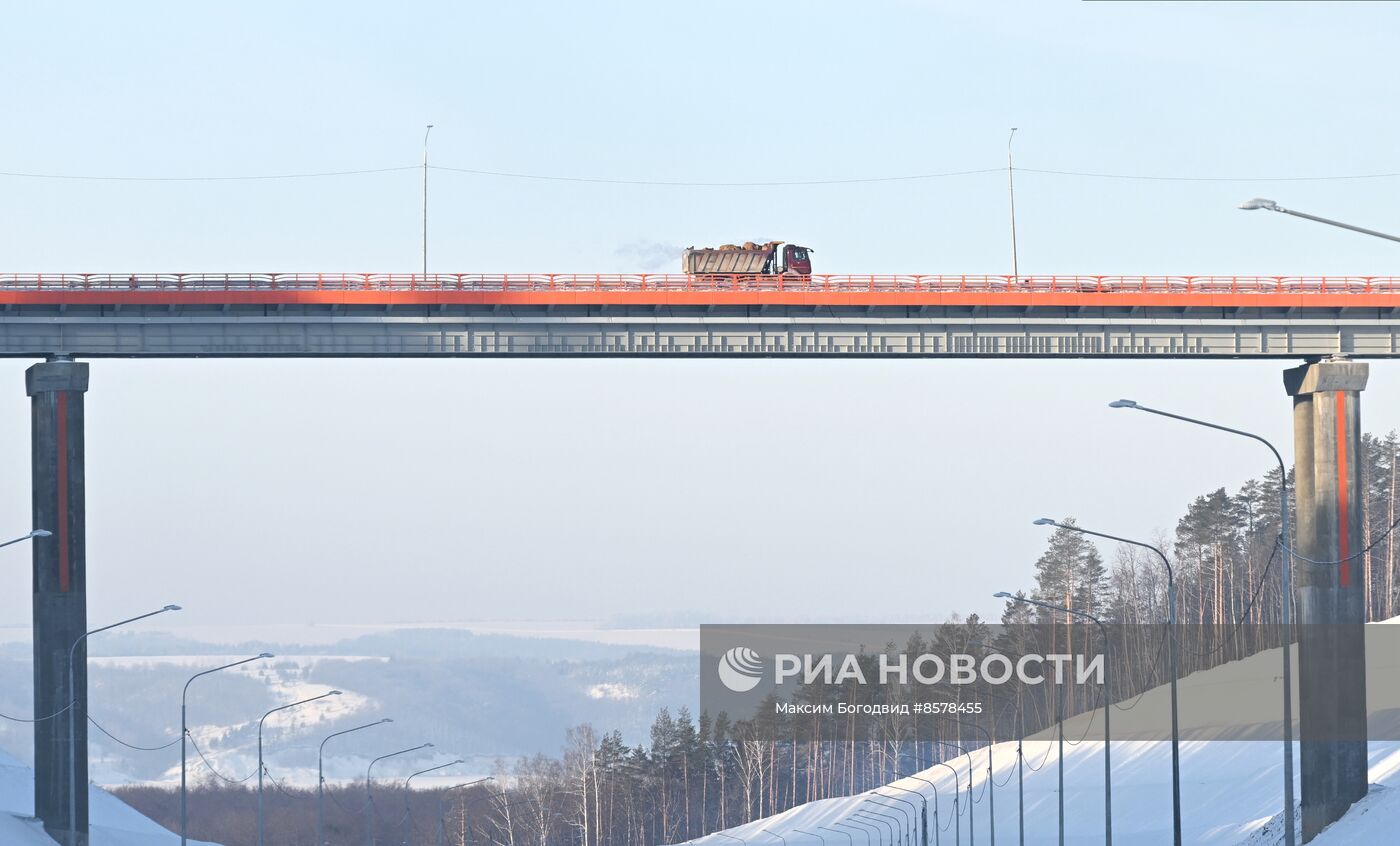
971	806
1270	205
369	795
1173	652
991	781
185	733
859	825
850	841
865	832
957	832
885	821
408	786
775	834
442	808
923	799
1107	704
321	777
1286	581
262	720
426	133
924	838
37	533
73	705
812	834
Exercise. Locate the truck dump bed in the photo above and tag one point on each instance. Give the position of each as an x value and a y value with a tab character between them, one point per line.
735	260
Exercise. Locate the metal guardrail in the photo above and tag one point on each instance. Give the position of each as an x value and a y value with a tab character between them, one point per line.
645	282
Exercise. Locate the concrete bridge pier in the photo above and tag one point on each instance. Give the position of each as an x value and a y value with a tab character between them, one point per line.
56	389
1330	597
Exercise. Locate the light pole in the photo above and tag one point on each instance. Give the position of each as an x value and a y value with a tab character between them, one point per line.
73	708
850	841
1286	580
924	839
1173	652
37	533
321	777
442	808
426	133
775	834
923	799
262	720
185	733
1011	189
865	832
369	795
957	832
971	806
407	805
1107	705
1270	205
887	821
812	834
991	781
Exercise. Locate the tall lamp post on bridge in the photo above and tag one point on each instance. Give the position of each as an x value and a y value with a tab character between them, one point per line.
1286	612
321	776
1174	653
1270	205
262	720
426	133
1107	704
37	533
369	793
73	710
185	734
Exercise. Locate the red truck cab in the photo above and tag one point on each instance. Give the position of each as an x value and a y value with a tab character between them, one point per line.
797	260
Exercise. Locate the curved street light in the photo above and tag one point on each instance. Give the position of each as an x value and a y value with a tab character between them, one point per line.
442	806
262	720
1286	596
885	822
923	839
73	704
37	533
407	793
865	832
1107	703
321	776
369	795
1270	205
185	733
1173	652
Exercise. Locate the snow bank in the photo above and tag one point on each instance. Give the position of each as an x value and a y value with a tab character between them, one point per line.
113	822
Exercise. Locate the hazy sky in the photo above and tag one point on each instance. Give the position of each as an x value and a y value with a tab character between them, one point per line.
451	490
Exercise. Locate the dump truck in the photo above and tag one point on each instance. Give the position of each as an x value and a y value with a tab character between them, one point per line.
748	259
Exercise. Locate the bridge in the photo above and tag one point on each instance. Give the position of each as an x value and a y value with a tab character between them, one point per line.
658	315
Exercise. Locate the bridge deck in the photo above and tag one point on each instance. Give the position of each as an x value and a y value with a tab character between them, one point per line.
677	315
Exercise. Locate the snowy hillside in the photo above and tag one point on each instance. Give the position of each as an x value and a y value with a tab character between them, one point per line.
113	822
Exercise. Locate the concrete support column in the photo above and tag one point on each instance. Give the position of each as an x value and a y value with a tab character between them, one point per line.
1330	597
56	389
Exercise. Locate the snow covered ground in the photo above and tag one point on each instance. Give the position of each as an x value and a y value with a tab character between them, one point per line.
113	822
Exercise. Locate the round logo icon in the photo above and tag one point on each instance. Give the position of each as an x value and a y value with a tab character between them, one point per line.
740	669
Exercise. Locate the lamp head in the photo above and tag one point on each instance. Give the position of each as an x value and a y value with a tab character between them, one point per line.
1123	403
427	746
1259	203
172	608
1001	594
333	693
1043	521
387	720
266	655
40	533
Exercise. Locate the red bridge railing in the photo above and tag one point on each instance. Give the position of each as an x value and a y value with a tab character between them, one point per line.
641	282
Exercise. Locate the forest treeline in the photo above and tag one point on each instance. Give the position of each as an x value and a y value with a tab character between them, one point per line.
698	774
